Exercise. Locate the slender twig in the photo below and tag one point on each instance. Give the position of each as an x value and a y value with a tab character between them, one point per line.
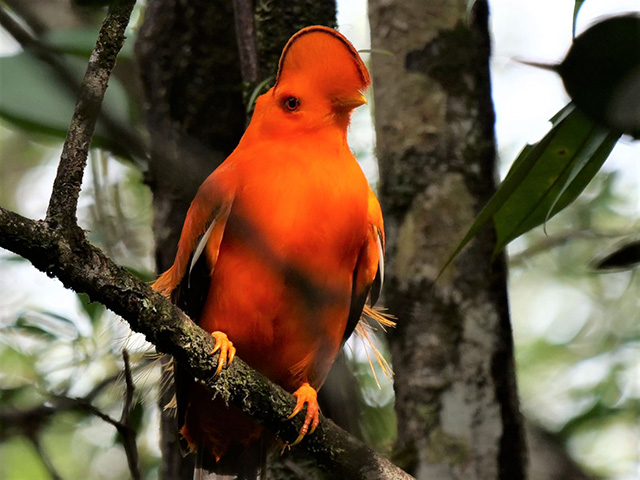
30	422
127	432
66	187
130	389
44	457
93	410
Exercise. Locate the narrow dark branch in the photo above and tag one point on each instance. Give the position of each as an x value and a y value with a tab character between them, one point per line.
130	389
557	240
243	14
84	268
16	30
46	461
127	431
31	420
93	410
66	188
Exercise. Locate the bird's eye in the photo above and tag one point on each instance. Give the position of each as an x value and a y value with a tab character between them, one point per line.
292	104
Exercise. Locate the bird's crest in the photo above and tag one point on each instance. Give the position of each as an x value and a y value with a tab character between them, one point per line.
323	55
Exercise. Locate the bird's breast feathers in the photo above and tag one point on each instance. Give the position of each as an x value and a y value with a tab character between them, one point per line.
305	203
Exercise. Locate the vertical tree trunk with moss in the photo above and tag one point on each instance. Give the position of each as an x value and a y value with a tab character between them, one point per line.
191	71
452	351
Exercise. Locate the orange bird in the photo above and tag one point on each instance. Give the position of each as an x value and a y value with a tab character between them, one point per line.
280	248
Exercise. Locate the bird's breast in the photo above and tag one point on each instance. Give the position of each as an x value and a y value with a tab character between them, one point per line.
311	209
283	278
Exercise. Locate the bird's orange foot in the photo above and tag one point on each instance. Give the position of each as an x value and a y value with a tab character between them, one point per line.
227	350
306	394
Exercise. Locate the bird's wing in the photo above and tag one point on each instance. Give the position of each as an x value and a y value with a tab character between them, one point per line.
369	271
202	233
187	281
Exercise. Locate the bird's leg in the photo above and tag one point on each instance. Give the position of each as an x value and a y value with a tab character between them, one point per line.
227	350
306	394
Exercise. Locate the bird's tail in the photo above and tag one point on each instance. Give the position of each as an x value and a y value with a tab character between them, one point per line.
241	463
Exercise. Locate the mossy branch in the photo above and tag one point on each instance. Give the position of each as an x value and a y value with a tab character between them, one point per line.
85	268
66	187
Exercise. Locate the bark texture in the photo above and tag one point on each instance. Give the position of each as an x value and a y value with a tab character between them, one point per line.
452	351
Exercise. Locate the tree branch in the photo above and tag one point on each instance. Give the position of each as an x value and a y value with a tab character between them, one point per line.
85	268
126	430
66	187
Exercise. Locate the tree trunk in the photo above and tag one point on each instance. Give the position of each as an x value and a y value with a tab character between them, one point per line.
452	351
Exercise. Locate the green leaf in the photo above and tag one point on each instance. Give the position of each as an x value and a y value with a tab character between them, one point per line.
544	178
32	98
26	325
46	325
576	9
80	41
93	310
558	169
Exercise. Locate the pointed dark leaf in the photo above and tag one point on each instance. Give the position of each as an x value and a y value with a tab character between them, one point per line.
544	178
601	73
624	257
576	9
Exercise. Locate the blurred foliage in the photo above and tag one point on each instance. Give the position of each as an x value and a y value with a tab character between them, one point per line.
46	355
60	353
32	98
52	367
579	357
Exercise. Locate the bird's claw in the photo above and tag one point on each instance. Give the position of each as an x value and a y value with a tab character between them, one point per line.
306	394
226	348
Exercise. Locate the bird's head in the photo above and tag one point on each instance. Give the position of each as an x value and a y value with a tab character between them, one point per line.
321	79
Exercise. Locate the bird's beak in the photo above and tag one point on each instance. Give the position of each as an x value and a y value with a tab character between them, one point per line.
348	104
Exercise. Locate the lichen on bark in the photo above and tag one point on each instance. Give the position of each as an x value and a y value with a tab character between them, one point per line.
457	407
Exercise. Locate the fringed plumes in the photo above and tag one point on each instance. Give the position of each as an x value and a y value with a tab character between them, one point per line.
365	330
